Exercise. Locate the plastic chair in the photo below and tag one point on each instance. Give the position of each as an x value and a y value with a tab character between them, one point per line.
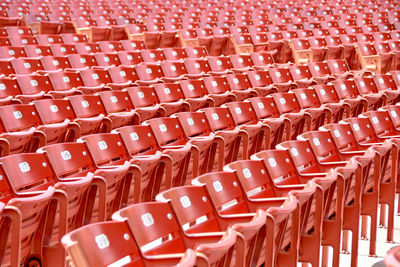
110	182
184	155
326	150
197	68
385	83
309	101
240	86
118	107
261	82
347	92
218	89
148	74
108	151
301	76
221	122
246	119
90	114
320	72
129	58
171	98
216	181
28	173
281	79
117	233
250	224
346	186
301	51
367	88
195	94
216	247
288	106
260	188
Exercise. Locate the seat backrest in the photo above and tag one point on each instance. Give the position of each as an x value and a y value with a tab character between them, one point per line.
338	65
143	96
173	68
280	75
318	69
345	89
384	82
326	93
167	131
394	112
197	66
381	122
9	87
86	106
133	45
34	83
219	118
362	129
238	81
110	46
68	159
87	48
115	101
27	172
280	166
262	58
196	52
286	102
105	59
242	112
343	136
61	80
302	155
152	55
71	38
299	72
193	88
264	107
168	92
225	192
174	53
20	117
307	98
101	244
148	72
105	148
150	222
95	77
195	197
52	63
216	84
259	78
26	65
254	177
138	139
78	61
7	52
241	61
194	123
220	63
365	85
323	145
60	50
54	110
